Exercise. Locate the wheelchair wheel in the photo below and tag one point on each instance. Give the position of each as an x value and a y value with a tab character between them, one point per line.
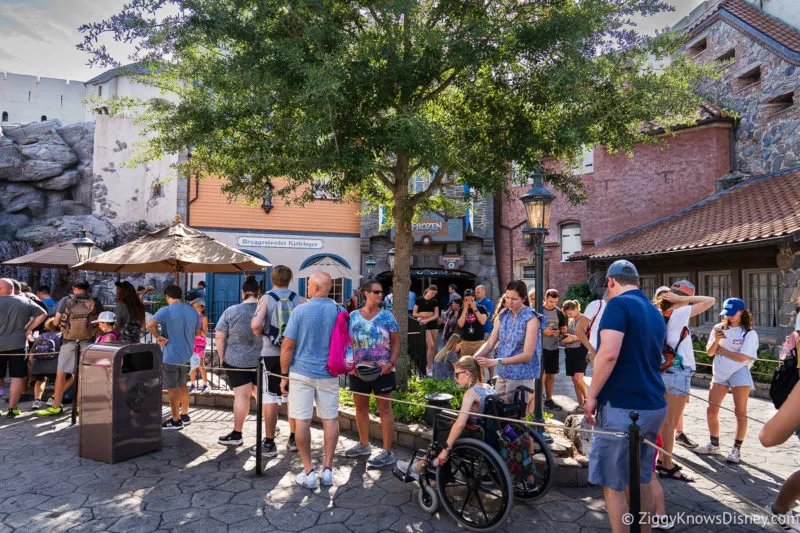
428	499
474	485
543	466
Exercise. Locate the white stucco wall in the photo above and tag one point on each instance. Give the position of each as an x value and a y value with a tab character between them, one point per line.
786	10
26	98
125	194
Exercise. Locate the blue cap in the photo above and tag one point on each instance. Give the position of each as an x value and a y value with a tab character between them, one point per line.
622	268
731	306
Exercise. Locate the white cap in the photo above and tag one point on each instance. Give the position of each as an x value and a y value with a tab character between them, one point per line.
106	316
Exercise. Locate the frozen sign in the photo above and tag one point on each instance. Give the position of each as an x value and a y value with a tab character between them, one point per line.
438	228
302	244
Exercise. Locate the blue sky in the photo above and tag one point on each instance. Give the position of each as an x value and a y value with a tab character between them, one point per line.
38	37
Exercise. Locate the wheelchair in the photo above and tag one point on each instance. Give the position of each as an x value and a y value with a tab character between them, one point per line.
492	463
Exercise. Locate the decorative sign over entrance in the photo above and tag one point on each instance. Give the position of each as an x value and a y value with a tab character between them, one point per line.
437	228
451	262
303	244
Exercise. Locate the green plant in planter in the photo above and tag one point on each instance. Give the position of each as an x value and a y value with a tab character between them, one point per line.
580	292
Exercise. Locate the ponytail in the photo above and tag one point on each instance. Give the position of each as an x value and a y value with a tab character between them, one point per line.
469	364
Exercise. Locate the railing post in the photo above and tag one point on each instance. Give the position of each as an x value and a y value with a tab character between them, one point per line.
75	383
259	400
635	443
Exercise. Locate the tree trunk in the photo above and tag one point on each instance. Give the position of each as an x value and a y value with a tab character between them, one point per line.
403	243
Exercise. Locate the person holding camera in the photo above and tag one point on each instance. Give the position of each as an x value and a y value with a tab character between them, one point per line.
555	327
471	322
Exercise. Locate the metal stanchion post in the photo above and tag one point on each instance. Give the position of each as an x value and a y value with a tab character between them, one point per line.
259	401
75	382
635	443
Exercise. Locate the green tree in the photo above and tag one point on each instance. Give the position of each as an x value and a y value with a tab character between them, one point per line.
366	94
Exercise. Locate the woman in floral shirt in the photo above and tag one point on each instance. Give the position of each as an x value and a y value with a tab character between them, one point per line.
517	360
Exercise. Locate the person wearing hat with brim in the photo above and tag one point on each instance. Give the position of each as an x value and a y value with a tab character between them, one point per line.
626	378
375	335
678	304
734	345
106	323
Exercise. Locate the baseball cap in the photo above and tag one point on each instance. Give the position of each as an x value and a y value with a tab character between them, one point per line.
661	289
199	301
684	287
105	316
622	268
731	306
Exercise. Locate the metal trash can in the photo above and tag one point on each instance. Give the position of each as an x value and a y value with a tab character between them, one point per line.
120	387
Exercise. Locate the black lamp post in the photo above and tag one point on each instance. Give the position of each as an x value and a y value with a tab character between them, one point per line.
83	246
538	201
370	266
390	259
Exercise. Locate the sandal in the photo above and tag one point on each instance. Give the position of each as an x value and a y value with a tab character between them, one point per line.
669	473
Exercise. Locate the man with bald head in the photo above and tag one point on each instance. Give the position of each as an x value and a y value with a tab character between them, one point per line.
304	358
18	318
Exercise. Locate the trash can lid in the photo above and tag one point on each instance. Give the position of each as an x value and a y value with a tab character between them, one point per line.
438	397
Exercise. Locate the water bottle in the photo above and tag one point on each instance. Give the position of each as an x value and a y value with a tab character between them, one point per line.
510	433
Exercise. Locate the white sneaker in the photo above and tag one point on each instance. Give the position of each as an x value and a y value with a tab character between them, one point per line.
402	466
663	522
309	480
708	449
785	520
429	372
734	456
327	477
50	401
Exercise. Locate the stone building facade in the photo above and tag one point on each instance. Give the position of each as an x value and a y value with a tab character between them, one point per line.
449	249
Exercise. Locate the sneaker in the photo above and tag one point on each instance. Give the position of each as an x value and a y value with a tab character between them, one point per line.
205	389
13	413
553	406
186	420
50	401
172	424
428	372
50	411
267	449
309	480
327	477
708	449
403	466
359	449
381	460
231	439
684	440
36	405
192	389
292	444
734	456
785	520
663	522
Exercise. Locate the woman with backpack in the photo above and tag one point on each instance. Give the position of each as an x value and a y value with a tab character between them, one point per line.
129	313
734	345
678	304
375	335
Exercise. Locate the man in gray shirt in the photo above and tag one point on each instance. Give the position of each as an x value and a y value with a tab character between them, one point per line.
238	350
276	302
555	326
18	318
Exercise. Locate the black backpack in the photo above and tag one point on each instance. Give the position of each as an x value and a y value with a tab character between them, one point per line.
784	378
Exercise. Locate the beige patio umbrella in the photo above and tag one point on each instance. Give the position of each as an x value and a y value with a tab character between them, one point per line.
60	255
331	266
177	248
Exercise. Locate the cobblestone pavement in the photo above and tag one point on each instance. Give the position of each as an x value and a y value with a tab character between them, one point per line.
196	484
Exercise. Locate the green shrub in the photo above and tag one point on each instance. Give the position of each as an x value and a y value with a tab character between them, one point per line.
761	370
580	292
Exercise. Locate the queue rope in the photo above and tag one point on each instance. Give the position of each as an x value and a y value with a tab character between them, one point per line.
795	527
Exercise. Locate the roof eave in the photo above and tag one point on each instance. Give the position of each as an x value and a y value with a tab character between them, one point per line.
699	249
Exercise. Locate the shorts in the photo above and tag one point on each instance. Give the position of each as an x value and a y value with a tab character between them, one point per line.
240	376
66	356
200	346
174	376
271	383
385	384
678	381
470	347
505	388
576	360
740	378
305	391
16	364
609	463
550	361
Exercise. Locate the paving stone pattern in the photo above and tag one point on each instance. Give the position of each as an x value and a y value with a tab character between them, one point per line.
196	484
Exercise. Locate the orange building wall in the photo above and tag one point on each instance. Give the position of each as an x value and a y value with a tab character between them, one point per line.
212	210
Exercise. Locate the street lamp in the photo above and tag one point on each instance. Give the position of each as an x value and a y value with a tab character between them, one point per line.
370	266
538	201
390	259
83	246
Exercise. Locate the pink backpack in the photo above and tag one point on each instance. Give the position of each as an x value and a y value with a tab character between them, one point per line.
340	357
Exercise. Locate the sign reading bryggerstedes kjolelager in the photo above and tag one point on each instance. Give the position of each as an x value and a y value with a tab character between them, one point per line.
270	242
438	228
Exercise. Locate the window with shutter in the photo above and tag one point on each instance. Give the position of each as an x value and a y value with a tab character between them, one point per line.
570	240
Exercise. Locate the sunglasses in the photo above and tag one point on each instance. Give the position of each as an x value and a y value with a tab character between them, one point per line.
376	291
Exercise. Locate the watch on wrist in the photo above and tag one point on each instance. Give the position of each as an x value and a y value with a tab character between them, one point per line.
499	362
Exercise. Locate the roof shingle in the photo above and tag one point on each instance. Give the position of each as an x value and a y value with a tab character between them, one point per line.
761	208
